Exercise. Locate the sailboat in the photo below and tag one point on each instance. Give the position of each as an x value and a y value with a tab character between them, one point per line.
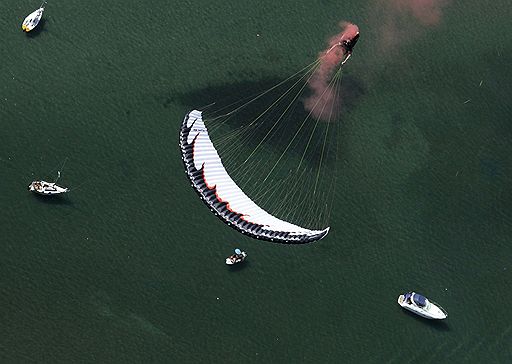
33	19
48	188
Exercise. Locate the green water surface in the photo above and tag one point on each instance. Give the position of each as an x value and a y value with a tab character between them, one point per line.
128	268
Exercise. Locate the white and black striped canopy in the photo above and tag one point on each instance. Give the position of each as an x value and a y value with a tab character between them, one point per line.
222	195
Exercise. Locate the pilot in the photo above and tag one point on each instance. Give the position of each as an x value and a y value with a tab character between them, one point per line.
348	46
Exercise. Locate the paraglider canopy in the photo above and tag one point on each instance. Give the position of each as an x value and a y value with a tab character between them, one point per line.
223	196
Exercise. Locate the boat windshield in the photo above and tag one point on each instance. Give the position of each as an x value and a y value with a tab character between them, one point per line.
420	300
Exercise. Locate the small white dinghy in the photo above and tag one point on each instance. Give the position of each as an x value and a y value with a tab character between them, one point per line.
236	258
421	306
47	188
33	19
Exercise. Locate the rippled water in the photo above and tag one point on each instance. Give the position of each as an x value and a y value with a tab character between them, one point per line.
129	266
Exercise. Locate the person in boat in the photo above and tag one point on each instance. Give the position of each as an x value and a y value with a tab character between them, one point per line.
234	258
407	297
238	254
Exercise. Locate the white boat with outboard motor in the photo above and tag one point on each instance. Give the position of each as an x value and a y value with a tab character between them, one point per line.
47	188
33	19
422	306
236	258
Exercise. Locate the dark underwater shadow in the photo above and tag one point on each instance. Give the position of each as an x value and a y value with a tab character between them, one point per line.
38	29
53	200
221	99
352	89
439	325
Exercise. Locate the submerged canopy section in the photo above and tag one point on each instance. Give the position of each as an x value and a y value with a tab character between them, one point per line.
222	195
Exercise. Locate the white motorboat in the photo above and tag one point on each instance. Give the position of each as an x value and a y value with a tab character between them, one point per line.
33	19
421	306
236	258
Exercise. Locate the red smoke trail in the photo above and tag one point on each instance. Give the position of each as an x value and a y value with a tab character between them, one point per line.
428	12
394	17
324	102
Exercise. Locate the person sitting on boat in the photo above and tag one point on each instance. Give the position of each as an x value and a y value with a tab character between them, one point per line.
238	254
407	297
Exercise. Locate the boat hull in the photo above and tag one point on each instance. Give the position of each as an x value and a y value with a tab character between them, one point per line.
32	20
231	260
431	311
46	188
